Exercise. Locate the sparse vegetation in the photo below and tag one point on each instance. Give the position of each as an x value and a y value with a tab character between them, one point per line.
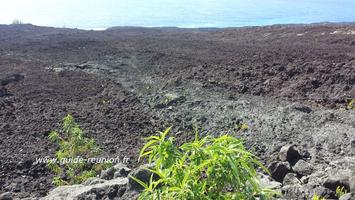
206	168
104	102
340	191
350	104
240	126
316	197
71	165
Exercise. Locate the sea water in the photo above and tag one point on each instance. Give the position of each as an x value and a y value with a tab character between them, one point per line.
95	14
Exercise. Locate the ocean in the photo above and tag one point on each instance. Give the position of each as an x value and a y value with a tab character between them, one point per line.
100	14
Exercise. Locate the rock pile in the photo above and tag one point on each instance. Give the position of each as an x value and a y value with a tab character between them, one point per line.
292	175
300	178
113	183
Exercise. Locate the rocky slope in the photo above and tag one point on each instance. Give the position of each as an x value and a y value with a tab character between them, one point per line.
289	84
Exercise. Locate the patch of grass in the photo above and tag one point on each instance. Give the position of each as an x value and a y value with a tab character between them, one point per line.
71	165
206	168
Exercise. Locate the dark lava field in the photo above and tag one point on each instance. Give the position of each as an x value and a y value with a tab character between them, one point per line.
290	83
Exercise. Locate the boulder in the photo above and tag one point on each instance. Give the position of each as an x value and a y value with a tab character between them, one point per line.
3	92
279	170
347	196
132	194
301	108
6	196
337	180
105	190
317	177
93	181
303	168
352	181
266	182
291	179
107	174
294	191
324	192
121	170
10	79
342	173
289	153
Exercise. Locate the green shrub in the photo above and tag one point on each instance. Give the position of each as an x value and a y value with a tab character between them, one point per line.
73	145
207	168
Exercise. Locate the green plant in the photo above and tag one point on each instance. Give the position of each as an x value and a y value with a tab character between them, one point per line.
205	169
350	104
104	102
71	164
340	191
316	197
241	127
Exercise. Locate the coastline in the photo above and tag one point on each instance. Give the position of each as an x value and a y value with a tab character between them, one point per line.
192	27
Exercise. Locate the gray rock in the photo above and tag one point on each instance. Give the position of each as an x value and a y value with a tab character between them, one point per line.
304	179
3	92
107	190
317	177
14	187
143	175
93	181
337	180
291	179
294	191
272	185
279	170
6	196
10	79
170	99
107	174
121	170
352	182
303	168
302	108
130	195
266	182
347	196
324	192
342	173
289	153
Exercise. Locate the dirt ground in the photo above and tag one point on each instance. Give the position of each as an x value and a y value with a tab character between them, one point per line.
113	82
